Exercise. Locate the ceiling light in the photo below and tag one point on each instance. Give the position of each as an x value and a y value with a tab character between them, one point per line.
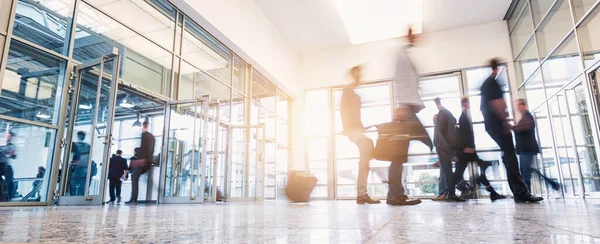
127	102
369	21
137	123
85	106
43	114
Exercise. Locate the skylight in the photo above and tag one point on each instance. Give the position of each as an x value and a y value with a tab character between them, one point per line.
376	20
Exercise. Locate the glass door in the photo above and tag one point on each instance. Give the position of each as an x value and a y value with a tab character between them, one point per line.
89	133
246	164
183	180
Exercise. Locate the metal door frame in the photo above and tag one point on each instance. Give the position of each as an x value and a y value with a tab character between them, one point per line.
260	166
67	140
592	93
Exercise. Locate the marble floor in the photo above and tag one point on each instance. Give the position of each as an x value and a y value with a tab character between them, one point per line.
556	221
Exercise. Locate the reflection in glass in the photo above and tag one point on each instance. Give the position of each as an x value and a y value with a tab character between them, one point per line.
522	31
528	61
563	65
263	91
144	63
155	21
554	28
195	83
32	84
205	52
239	75
539	9
46	23
590	43
30	148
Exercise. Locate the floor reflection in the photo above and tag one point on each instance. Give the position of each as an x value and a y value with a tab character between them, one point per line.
570	221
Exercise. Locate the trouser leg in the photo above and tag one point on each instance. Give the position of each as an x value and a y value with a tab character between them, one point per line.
111	189
10	181
457	177
135	178
445	158
365	147
118	184
396	189
509	158
442	182
526	160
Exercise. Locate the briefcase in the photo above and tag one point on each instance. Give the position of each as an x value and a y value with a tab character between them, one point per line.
299	186
394	139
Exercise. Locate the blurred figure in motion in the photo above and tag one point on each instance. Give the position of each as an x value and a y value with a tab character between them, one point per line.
8	152
37	184
143	163
407	102
442	188
445	141
467	153
354	129
493	108
527	146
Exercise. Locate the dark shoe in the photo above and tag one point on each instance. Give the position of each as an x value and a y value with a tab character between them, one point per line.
118	199
530	199
365	199
555	185
403	202
131	203
496	196
454	198
441	197
483	165
110	202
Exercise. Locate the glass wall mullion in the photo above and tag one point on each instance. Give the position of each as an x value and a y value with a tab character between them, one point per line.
9	31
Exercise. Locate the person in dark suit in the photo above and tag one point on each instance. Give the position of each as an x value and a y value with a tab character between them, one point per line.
116	170
444	142
143	164
493	108
467	153
527	146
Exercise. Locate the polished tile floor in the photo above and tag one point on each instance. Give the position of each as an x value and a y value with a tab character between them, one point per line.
555	221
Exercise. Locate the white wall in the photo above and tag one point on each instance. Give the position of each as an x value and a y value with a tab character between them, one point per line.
442	51
242	23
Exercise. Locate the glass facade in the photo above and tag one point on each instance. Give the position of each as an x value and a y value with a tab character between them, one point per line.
556	74
161	51
333	158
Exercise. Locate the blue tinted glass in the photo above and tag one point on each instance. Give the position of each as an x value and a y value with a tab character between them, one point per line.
46	23
32	84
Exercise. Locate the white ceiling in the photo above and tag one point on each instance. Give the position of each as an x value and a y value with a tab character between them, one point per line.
315	25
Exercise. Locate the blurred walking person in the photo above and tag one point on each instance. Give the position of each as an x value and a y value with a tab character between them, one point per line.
353	128
467	152
493	108
527	146
407	103
445	141
143	163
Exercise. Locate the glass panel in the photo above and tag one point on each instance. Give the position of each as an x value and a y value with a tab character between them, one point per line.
432	87
238	109
26	160
482	138
581	7
32	85
589	37
46	23
534	90
239	168
528	61
582	127
317	109
183	155
205	52
155	21
549	166
554	28
144	64
522	31
263	91
540	8
283	105
270	169
282	133
5	7
203	84
515	15
239	75
563	65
